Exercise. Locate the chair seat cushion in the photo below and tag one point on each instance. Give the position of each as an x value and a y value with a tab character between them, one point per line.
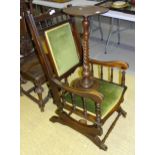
112	94
32	69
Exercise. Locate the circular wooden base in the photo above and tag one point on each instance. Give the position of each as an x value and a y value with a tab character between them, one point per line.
78	84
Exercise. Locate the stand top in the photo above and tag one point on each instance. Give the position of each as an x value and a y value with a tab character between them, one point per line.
85	10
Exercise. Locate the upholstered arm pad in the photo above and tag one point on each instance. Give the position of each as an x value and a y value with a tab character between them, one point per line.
96	96
117	64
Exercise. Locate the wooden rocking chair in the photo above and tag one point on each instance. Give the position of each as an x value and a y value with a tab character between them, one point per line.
93	105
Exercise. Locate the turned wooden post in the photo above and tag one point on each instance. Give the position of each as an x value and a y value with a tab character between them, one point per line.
87	80
98	115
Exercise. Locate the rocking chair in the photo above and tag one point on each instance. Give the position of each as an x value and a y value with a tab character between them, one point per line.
63	60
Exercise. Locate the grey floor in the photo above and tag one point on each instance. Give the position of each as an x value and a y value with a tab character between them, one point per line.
124	51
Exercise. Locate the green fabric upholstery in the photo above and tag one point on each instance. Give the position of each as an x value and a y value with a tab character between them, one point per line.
112	94
62	48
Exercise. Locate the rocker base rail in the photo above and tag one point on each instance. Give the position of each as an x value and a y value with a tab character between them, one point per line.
90	131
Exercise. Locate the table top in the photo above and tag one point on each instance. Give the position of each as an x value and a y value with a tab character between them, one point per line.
110	13
85	10
64	5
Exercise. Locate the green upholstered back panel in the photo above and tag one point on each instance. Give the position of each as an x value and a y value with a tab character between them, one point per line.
111	92
62	48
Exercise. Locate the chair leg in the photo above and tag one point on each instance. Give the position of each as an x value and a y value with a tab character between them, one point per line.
124	113
39	100
120	112
39	91
109	131
22	81
21	90
101	143
96	140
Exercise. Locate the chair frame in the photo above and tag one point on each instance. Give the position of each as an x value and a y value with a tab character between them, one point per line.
29	56
93	132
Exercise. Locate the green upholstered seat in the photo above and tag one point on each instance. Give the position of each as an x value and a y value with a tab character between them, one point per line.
62	47
112	94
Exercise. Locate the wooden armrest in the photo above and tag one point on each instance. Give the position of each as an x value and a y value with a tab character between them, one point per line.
118	64
91	93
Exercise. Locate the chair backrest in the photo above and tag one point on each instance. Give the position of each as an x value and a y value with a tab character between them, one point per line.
62	40
36	9
26	46
62	48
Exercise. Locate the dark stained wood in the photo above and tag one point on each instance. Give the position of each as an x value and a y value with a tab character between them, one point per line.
101	72
66	120
80	113
123	78
87	80
36	9
118	64
30	67
25	39
111	75
60	86
98	114
92	69
36	32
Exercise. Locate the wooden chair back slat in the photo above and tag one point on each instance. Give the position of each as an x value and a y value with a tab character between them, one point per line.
92	68
111	73
101	72
123	78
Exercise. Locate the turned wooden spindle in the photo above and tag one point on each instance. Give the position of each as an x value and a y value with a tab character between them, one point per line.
111	77
84	107
87	80
101	72
123	78
98	114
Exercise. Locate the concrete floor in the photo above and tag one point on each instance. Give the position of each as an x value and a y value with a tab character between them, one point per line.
124	51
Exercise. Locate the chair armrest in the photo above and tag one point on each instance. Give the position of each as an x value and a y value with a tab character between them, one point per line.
91	93
117	64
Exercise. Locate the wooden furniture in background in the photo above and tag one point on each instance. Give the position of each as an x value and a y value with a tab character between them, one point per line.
30	67
36	9
91	106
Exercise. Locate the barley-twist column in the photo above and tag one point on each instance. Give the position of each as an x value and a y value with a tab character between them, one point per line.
85	11
86	81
